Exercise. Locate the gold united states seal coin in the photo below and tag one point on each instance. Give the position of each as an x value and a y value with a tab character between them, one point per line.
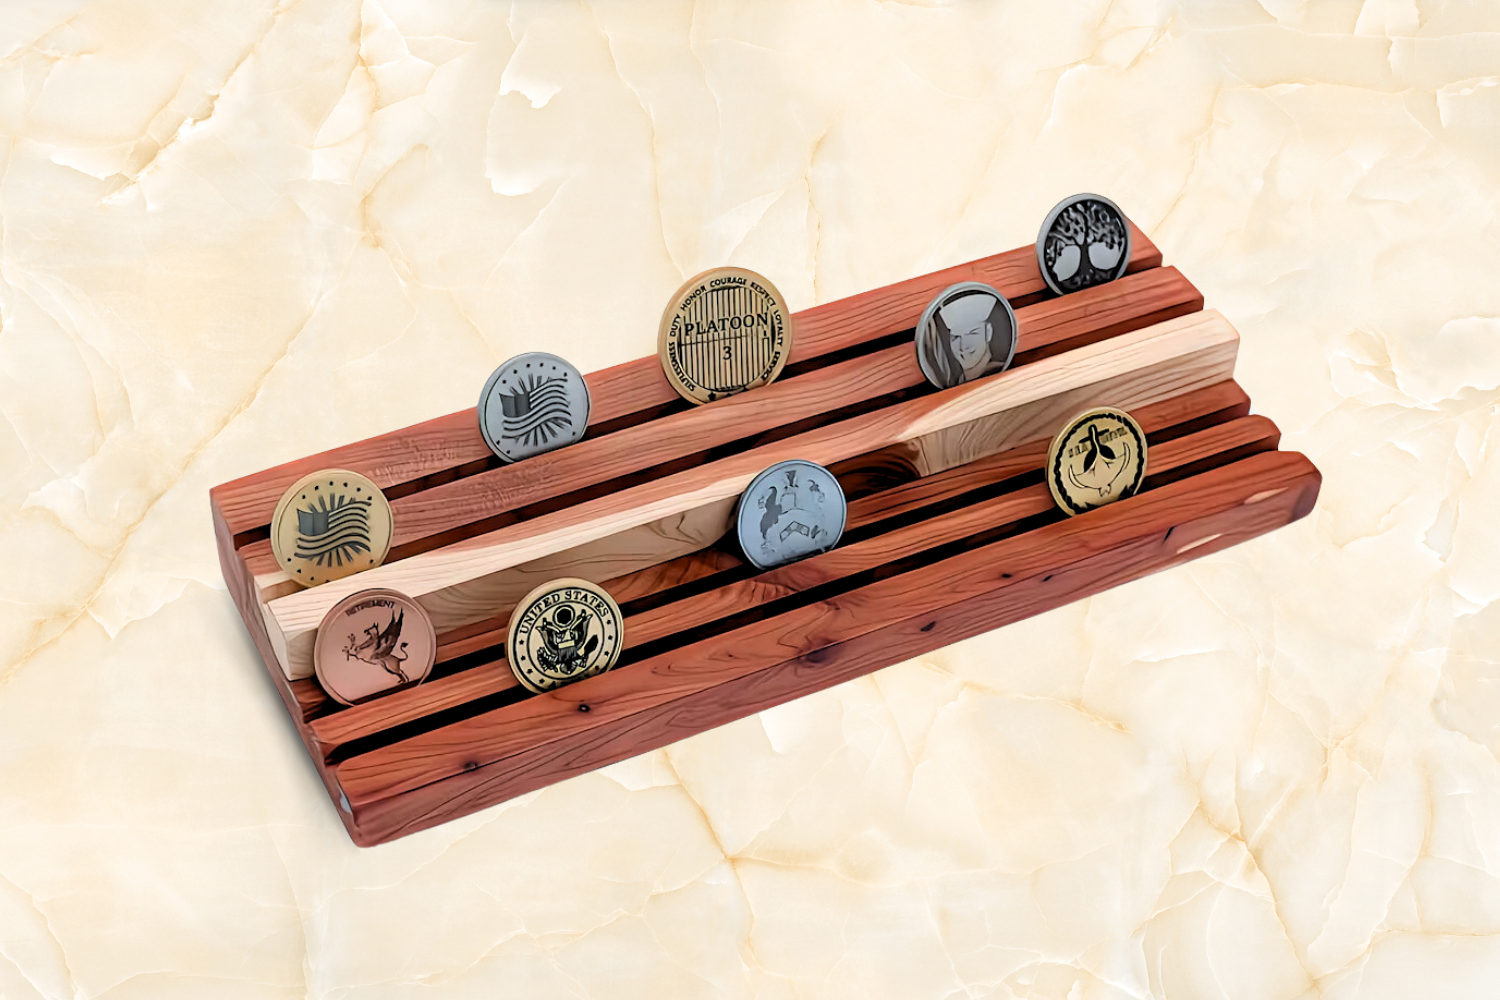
725	331
1097	458
563	631
330	524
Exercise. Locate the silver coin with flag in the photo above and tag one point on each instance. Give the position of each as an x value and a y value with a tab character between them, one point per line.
533	403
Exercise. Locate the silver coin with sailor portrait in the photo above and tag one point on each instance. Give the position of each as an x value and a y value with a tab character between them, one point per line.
1085	241
533	403
968	331
792	510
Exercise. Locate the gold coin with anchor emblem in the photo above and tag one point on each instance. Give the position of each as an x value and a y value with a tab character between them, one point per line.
330	524
1098	457
373	642
563	631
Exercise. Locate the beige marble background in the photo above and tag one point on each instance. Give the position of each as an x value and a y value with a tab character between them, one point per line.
232	234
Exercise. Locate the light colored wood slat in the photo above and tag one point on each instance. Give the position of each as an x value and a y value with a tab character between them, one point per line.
423	519
635	387
1235	437
660	520
1134	536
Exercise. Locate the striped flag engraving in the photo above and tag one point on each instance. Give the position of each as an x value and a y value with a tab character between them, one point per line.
536	412
333	530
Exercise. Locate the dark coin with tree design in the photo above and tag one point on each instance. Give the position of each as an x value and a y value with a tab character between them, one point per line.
725	331
533	403
1084	242
372	642
1097	458
330	524
563	631
792	510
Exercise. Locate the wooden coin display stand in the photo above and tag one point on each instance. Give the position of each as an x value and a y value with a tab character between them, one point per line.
951	532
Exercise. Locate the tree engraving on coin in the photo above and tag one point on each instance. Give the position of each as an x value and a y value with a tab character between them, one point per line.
968	331
563	631
372	642
792	510
330	524
1098	457
725	331
533	403
1084	242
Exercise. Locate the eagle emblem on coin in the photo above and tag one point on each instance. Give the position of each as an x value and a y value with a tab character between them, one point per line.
563	631
1099	457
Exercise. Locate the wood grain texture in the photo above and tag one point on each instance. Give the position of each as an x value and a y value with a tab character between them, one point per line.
656	701
1178	415
1235	439
508	494
535	768
475	579
638	388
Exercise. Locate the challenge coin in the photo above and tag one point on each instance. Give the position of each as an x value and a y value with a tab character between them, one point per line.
563	631
372	642
792	510
966	332
330	524
725	331
1084	242
1097	458
533	403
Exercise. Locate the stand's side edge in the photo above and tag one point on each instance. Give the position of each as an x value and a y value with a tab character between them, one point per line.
242	592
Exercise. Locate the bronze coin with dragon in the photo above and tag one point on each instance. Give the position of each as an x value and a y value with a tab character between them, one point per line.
372	642
330	524
1098	457
563	631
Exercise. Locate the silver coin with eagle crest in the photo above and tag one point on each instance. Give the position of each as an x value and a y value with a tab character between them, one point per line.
563	631
533	403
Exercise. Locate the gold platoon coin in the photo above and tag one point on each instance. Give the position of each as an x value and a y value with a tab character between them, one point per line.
1098	457
563	631
725	331
330	524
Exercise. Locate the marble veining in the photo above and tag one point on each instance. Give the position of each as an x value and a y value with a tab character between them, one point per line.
236	233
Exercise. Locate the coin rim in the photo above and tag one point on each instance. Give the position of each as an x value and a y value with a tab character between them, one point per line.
525	602
675	302
1041	236
286	499
740	508
1055	448
408	603
489	383
924	363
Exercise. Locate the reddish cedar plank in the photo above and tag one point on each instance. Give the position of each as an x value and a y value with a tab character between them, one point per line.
635	387
437	516
483	740
1226	400
1244	436
993	586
